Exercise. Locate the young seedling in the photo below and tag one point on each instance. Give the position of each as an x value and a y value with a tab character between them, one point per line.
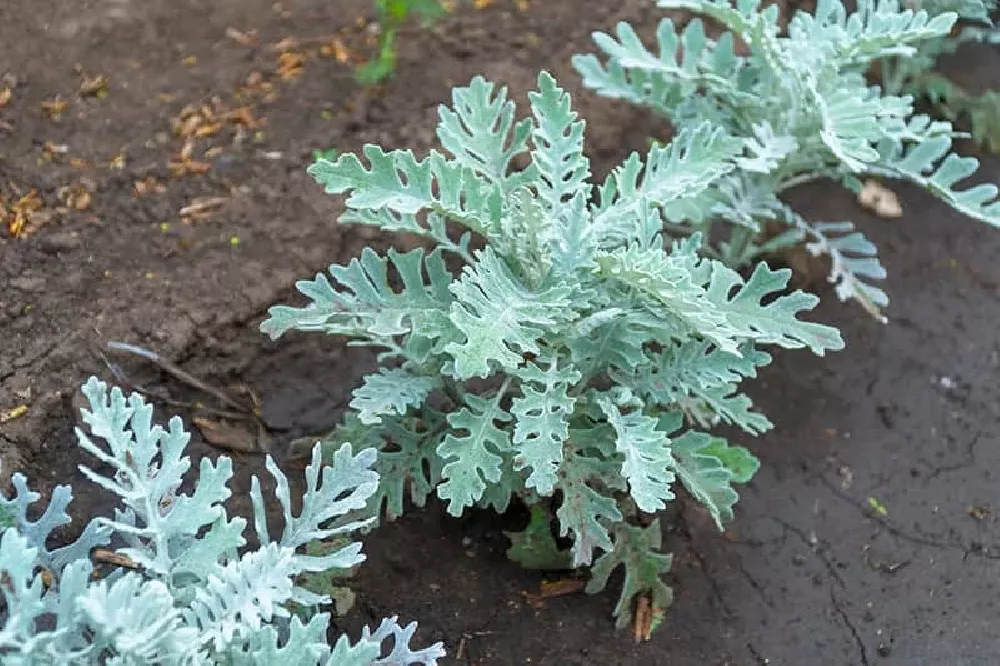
392	15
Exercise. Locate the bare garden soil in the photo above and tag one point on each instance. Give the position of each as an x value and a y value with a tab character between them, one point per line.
870	535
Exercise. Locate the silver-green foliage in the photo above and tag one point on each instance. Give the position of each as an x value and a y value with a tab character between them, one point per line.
188	595
801	108
577	353
916	74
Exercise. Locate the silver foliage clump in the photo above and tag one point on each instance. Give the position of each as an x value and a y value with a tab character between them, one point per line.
576	354
187	594
799	103
917	74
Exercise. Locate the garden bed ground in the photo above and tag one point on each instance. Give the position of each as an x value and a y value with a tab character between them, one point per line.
907	419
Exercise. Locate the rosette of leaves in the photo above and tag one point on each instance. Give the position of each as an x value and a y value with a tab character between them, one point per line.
800	104
576	354
184	589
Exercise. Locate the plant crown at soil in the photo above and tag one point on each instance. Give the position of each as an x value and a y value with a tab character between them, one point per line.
180	591
577	354
802	110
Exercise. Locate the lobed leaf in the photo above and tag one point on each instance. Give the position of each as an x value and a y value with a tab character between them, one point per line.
480	131
646	452
541	423
853	262
370	648
391	391
877	29
668	279
682	65
637	550
708	467
473	458
694	365
561	167
585	513
682	169
776	322
364	305
499	317
397	181
923	164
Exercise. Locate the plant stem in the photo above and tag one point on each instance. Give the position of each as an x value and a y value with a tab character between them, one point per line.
737	248
801	179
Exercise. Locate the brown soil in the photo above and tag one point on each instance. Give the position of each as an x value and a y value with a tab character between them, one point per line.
808	574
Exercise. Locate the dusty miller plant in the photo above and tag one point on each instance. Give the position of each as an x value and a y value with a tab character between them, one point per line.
577	354
916	75
185	593
803	110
